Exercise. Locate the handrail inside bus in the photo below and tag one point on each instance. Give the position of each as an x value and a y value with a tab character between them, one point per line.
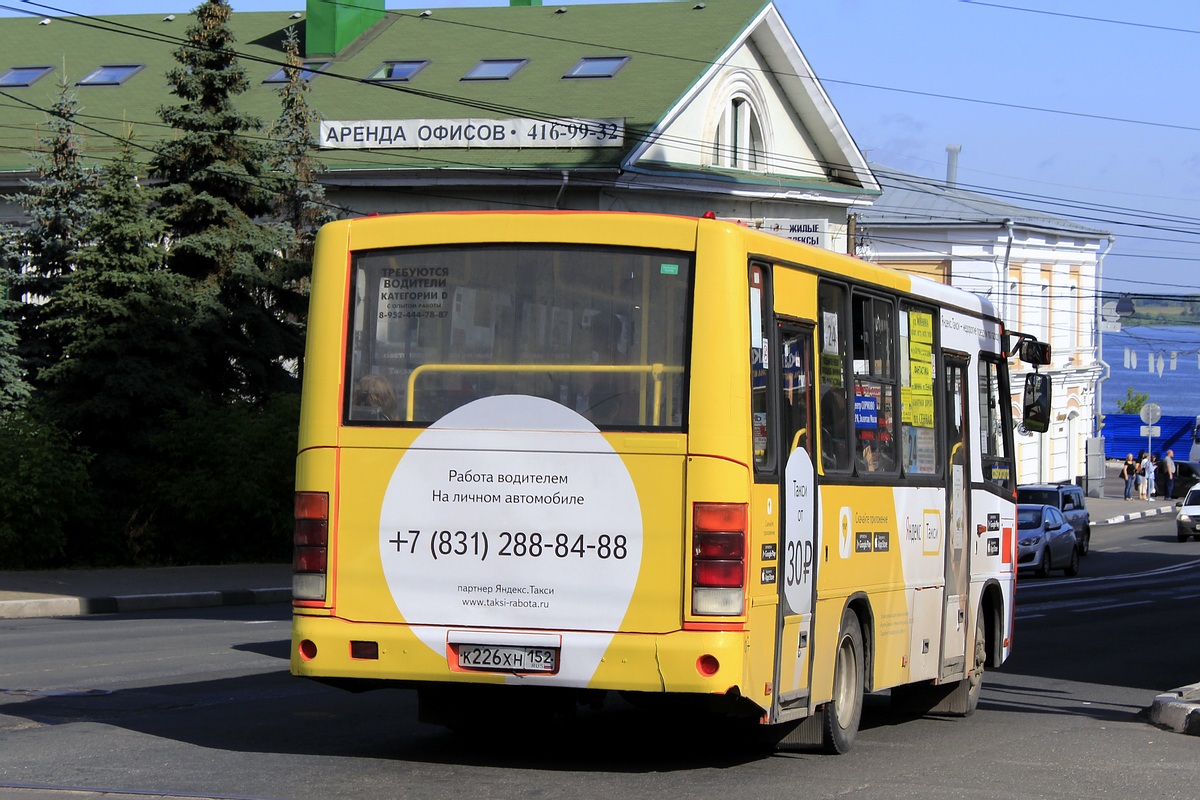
655	371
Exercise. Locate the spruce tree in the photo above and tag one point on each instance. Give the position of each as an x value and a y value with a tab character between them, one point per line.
301	205
123	322
14	389
57	210
218	184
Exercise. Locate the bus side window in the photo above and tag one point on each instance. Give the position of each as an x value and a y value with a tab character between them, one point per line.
760	362
917	375
874	383
835	414
995	426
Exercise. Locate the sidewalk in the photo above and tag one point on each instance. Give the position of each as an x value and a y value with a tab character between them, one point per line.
67	593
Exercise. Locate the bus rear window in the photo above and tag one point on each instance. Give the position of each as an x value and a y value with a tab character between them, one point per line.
601	330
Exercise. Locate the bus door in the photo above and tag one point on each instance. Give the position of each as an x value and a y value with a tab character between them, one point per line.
797	542
957	552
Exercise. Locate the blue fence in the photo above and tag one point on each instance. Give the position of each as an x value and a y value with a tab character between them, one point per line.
1122	435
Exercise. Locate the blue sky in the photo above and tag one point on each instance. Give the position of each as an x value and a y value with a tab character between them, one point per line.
1088	103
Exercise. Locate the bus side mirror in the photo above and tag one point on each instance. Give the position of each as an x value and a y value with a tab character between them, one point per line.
1031	351
1036	407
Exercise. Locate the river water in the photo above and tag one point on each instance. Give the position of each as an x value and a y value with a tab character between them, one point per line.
1131	352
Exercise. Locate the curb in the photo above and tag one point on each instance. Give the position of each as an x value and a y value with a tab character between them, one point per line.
1178	710
52	606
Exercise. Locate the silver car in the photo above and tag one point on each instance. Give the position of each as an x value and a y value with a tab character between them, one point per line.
1046	541
1067	498
1187	519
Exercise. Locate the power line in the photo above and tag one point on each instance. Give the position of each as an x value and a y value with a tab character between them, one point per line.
1127	215
1082	17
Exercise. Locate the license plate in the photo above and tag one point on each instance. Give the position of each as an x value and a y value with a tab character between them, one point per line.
499	658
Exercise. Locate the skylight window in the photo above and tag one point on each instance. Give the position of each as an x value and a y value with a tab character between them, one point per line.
597	67
24	76
397	71
111	74
495	69
308	70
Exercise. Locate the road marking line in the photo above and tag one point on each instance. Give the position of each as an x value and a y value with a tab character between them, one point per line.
1106	608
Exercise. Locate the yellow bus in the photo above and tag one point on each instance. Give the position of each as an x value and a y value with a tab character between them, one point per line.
549	455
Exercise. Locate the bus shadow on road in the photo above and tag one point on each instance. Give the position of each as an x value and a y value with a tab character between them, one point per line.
1024	698
274	712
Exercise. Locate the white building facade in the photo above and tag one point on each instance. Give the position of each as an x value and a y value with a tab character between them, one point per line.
1043	273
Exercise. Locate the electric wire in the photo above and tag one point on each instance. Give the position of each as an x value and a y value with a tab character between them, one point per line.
1065	207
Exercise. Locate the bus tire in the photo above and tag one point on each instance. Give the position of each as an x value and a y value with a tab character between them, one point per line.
972	685
963	701
843	713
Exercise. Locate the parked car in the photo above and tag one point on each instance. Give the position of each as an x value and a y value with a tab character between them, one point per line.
1187	475
1187	519
1067	498
1045	541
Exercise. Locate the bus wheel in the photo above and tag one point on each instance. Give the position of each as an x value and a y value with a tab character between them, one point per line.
964	699
958	699
974	682
842	714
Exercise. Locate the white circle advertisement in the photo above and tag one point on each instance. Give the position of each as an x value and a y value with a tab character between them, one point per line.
512	512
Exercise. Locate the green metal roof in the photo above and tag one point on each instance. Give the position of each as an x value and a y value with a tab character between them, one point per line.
671	45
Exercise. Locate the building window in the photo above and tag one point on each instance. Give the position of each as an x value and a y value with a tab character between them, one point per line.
24	76
308	71
397	71
111	75
495	69
739	138
597	67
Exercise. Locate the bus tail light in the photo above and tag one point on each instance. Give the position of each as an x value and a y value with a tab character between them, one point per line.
310	541
718	558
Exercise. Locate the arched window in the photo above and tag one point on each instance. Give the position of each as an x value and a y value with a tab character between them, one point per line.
739	138
738	130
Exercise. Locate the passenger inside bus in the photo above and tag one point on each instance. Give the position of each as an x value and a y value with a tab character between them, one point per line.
374	399
835	449
601	396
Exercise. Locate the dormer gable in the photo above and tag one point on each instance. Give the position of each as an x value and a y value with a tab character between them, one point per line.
759	112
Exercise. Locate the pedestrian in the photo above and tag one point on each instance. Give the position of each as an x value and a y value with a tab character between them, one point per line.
1168	465
1139	478
1148	467
1128	474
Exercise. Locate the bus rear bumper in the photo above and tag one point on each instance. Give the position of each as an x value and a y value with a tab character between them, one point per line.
694	662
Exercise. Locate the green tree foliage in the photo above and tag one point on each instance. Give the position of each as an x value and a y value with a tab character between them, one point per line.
1133	402
46	490
123	321
218	484
57	213
14	389
162	424
218	184
301	204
